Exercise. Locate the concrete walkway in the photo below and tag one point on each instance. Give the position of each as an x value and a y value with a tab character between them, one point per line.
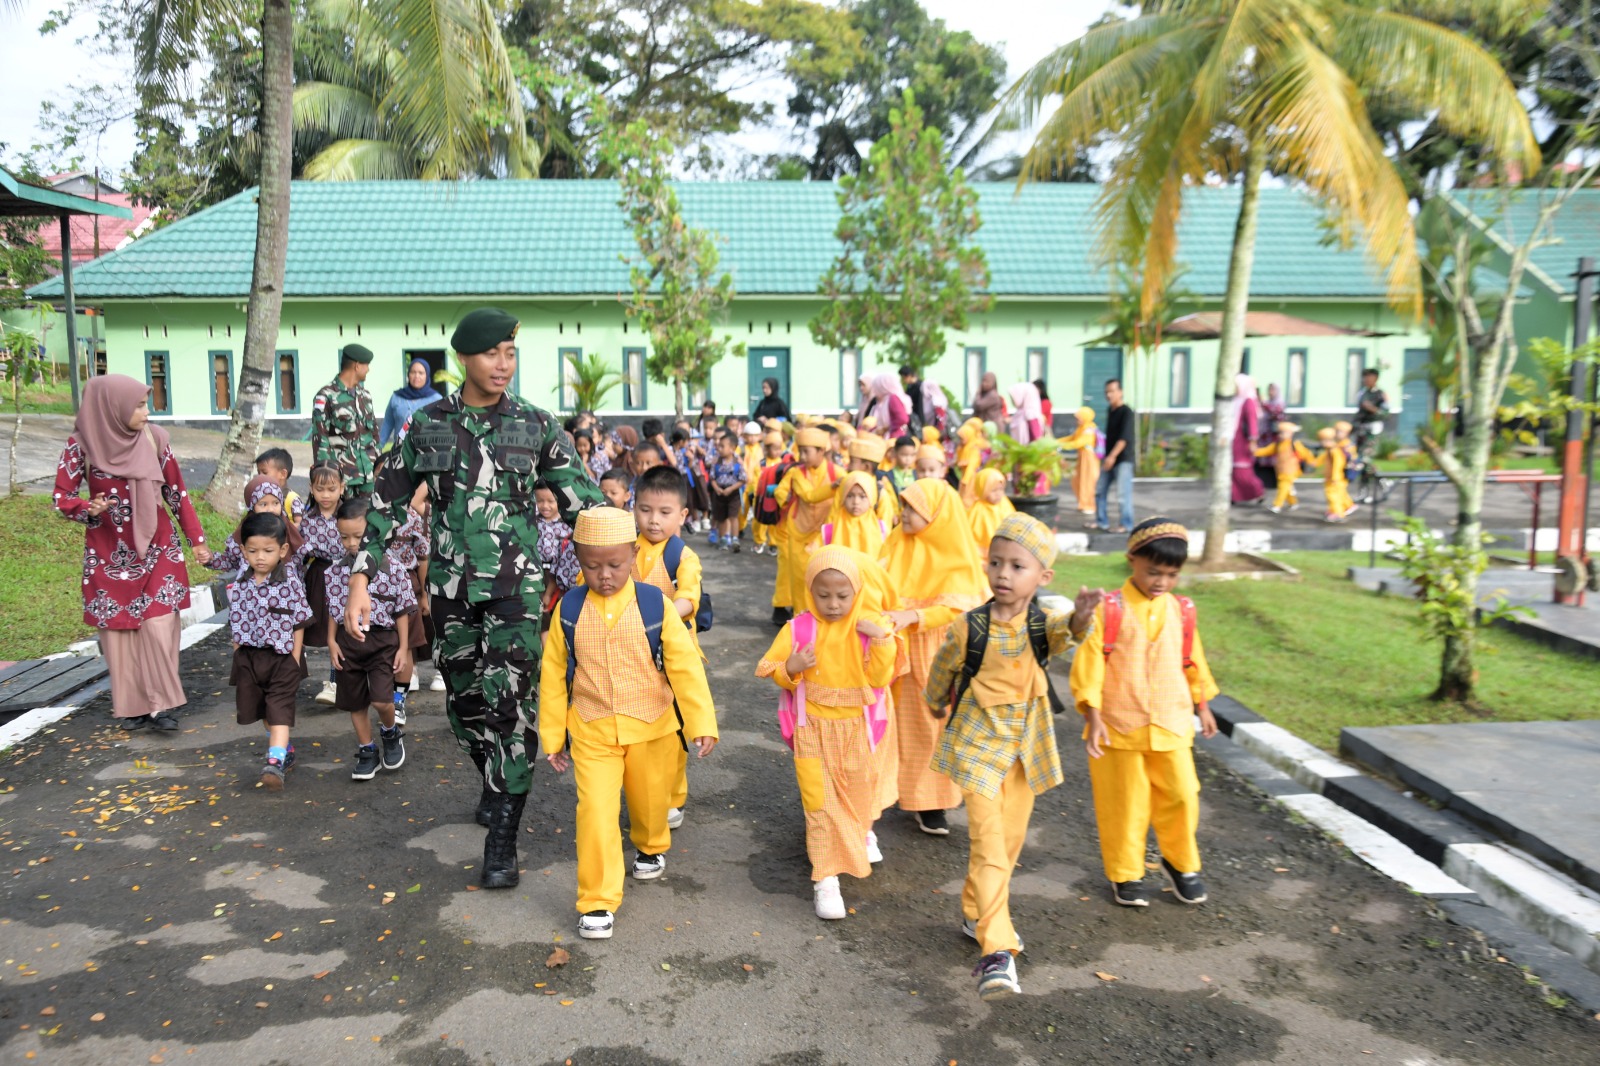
160	908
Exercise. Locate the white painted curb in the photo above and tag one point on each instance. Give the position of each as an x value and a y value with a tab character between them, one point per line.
1376	848
1306	763
1551	904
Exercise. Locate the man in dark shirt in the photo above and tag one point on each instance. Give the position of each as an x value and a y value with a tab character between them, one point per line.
1371	409
1118	464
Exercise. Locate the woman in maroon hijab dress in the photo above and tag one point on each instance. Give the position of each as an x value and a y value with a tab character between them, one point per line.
1247	486
134	578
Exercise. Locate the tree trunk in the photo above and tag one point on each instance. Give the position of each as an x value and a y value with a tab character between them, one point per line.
16	432
1458	673
236	462
1230	357
677	398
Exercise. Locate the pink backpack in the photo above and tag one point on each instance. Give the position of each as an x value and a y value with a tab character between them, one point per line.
827	531
792	705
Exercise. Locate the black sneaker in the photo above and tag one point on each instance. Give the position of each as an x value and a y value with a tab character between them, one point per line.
394	748
1187	887
367	762
1129	894
288	760
997	976
272	776
163	721
933	823
648	867
596	925
781	616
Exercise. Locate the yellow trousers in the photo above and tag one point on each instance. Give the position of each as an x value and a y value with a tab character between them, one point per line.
1134	790
996	829
1338	494
680	783
1285	496
605	772
763	533
782	593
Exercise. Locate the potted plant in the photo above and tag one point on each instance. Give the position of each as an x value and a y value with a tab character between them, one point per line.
1026	464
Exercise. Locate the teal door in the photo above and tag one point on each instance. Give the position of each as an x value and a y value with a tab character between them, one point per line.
1100	365
1416	396
768	363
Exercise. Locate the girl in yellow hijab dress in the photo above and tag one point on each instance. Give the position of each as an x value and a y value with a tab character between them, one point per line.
855	521
932	562
1084	441
989	509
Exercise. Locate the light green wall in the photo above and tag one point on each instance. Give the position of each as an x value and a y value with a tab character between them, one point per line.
191	330
56	337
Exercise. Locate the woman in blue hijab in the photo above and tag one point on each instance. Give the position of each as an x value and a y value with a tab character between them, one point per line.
416	393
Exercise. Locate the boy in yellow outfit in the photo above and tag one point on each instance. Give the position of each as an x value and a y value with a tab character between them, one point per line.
660	505
772	450
609	684
866	456
750	452
1000	746
1139	679
1335	485
1287	455
810	485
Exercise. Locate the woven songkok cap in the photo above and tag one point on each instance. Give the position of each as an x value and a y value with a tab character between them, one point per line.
602	527
1030	534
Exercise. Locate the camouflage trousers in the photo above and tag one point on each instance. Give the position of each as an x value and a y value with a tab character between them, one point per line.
489	655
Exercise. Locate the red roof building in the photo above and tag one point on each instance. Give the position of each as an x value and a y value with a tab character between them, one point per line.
93	235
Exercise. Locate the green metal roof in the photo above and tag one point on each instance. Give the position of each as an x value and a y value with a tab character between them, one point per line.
1509	217
541	238
18	199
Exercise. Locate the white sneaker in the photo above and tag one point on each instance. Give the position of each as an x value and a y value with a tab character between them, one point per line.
437	684
969	927
674	817
830	904
328	693
648	867
596	925
416	682
399	713
874	853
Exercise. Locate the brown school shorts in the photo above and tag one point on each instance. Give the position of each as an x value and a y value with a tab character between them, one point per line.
265	684
367	676
421	638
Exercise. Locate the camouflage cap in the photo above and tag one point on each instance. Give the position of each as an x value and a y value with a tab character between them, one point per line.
356	353
482	329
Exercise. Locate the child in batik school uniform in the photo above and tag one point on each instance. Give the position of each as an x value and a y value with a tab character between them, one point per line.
661	503
1334	483
1087	442
904	470
934	567
988	509
727	479
278	464
1000	745
320	531
365	667
806	494
409	545
866	456
261	496
1140	679
609	687
845	650
555	551
267	614
1287	455
616	485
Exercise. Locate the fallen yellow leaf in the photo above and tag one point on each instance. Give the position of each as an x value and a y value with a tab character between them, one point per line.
1105	976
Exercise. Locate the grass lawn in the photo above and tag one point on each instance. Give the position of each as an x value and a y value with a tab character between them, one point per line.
41	574
42	399
1546	464
1318	655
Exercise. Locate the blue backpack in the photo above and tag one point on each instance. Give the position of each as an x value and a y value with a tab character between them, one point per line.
652	609
671	557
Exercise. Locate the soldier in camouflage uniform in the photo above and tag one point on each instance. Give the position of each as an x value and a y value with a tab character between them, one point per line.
344	430
480	453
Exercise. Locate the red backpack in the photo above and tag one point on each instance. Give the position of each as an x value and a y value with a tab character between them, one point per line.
1113	608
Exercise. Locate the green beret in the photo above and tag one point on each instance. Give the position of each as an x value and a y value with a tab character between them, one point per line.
483	329
356	353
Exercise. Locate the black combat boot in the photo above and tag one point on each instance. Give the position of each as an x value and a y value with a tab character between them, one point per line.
486	797
500	844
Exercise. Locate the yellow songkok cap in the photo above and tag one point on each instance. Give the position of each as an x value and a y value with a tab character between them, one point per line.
811	437
602	527
870	448
774	437
931	451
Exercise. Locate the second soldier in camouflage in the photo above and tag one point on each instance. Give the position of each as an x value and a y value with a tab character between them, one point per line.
480	452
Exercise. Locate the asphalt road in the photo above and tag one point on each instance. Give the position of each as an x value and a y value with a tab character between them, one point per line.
158	907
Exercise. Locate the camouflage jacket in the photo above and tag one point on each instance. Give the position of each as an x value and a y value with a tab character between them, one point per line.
480	466
344	433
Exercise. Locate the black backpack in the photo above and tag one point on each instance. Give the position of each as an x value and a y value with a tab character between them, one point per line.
978	643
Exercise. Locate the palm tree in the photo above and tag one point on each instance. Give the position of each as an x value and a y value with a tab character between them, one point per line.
409	89
167	38
1193	88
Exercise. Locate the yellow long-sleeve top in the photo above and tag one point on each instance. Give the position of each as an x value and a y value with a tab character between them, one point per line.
751	456
841	683
1089	668
1334	459
617	691
813	492
650	568
1287	457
